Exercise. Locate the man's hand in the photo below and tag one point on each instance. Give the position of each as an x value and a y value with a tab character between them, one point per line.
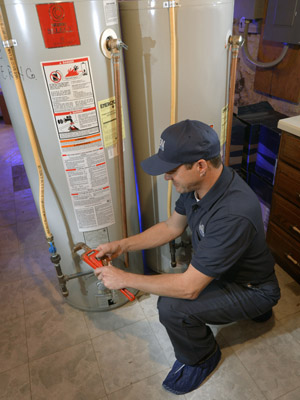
112	277
110	249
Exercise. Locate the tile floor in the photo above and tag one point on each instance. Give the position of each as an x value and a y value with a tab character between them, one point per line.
49	350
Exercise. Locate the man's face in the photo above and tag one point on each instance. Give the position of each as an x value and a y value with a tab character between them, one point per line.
184	180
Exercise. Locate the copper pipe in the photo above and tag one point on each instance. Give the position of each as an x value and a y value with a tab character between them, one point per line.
235	41
116	67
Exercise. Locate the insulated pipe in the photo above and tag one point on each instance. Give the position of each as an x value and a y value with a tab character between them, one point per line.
235	42
259	63
8	44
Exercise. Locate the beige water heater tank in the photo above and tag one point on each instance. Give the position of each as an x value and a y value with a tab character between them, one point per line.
203	62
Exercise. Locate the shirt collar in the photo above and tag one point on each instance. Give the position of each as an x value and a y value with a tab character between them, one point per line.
217	190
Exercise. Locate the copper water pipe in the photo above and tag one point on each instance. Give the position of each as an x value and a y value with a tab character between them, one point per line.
235	42
114	46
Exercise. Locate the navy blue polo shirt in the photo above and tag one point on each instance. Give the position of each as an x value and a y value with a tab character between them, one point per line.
227	231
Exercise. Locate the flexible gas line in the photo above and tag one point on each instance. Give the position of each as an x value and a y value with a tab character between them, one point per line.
173	57
8	45
173	75
235	43
261	64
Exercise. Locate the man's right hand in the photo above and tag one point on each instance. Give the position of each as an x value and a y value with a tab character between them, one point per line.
110	249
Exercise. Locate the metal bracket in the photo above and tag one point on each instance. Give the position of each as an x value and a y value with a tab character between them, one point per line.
170	4
10	43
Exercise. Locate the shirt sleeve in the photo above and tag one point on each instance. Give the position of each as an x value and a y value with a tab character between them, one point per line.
179	205
225	241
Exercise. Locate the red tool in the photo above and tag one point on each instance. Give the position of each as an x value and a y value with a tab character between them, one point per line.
89	256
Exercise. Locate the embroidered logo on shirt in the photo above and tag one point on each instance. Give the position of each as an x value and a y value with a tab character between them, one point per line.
162	144
201	229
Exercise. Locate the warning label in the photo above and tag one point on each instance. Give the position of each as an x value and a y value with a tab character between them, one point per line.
71	94
58	24
72	97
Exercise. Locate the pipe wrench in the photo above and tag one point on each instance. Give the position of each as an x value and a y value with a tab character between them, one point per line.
89	256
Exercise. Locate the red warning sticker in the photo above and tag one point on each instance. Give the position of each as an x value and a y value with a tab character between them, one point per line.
58	24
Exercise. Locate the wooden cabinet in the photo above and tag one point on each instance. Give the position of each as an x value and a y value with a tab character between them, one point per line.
283	235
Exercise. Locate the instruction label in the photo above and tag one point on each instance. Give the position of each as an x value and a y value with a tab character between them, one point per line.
71	95
108	117
110	12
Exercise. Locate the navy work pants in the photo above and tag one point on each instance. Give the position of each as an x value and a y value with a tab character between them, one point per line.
219	303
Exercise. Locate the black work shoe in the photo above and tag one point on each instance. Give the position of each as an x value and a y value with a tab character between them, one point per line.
263	317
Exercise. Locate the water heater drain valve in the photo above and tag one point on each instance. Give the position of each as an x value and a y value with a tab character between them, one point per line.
89	256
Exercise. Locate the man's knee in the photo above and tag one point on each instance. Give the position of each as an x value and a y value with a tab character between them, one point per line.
166	312
171	311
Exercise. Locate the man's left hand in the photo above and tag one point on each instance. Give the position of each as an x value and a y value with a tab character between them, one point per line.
112	277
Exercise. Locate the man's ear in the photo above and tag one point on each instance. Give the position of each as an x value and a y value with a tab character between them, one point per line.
202	166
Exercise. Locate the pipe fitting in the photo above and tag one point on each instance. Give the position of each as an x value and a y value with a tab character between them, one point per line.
115	45
236	40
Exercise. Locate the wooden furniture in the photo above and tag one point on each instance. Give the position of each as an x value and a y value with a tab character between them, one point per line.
283	80
283	235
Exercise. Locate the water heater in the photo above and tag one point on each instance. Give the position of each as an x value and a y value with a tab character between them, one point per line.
68	85
202	29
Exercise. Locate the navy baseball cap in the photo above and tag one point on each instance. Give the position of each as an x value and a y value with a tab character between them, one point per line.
182	143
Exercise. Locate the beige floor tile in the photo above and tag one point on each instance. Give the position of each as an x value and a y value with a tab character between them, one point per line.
161	334
30	233
10	268
128	355
6	186
229	381
148	303
294	395
282	276
40	293
147	389
11	301
13	347
25	206
9	242
7	212
15	385
271	358
36	260
100	323
71	374
289	302
52	330
292	325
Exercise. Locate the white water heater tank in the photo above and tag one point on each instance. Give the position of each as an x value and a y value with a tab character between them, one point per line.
68	85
